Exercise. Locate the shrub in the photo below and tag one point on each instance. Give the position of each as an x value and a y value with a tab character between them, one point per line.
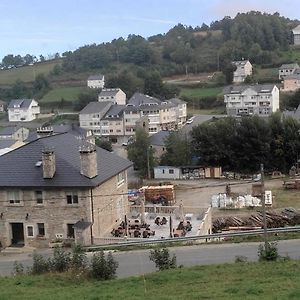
241	259
60	261
18	269
78	258
162	259
40	265
103	268
269	253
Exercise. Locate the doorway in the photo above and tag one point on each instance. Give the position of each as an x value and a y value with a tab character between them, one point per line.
17	230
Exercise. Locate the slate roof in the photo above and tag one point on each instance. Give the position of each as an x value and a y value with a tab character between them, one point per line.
159	138
17	168
293	76
20	103
109	92
295	114
139	99
96	77
9	130
96	107
239	89
6	143
176	101
115	112
289	66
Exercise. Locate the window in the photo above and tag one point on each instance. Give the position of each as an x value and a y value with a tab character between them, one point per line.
39	197
70	231
120	178
41	229
30	231
13	197
171	171
72	198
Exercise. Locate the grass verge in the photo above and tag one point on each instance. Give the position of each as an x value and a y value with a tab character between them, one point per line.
268	280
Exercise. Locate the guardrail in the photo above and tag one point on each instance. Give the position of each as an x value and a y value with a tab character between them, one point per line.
142	242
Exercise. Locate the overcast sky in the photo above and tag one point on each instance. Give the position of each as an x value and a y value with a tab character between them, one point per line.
45	27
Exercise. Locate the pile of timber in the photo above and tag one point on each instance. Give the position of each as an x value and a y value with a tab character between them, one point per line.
288	217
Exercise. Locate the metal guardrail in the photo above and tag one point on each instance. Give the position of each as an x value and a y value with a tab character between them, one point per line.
142	242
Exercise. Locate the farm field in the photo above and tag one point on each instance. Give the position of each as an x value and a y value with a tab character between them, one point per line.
201	92
67	93
269	280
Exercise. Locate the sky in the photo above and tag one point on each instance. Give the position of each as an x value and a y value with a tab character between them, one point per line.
46	27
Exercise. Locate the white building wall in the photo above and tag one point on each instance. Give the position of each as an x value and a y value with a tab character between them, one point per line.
167	173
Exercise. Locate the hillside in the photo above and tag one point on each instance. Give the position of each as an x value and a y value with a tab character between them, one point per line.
137	63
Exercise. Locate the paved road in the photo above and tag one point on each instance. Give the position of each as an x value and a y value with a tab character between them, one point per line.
137	262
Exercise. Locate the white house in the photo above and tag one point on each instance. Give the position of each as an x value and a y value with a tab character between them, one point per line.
243	69
115	95
258	99
23	110
287	69
167	172
296	34
96	81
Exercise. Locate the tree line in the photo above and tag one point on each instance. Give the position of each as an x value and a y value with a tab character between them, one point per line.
239	145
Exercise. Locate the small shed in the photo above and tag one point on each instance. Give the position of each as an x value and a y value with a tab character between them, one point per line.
167	172
213	172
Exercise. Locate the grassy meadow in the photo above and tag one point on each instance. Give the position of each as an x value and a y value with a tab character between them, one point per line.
200	92
269	280
26	73
67	93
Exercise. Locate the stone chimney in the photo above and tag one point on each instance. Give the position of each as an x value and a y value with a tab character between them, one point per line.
49	165
88	160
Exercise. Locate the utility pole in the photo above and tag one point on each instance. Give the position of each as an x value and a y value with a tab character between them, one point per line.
148	164
264	205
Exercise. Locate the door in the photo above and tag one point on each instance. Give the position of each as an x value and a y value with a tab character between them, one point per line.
17	230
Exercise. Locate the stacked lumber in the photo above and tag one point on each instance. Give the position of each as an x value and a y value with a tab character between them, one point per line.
153	192
288	217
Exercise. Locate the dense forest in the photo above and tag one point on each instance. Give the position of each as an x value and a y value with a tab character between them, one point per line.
254	35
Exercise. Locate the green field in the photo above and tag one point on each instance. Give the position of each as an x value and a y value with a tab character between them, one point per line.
201	92
27	73
270	280
67	93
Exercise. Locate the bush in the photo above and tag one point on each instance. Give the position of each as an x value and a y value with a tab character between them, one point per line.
40	265
241	259
162	259
78	258
18	269
269	253
103	268
61	260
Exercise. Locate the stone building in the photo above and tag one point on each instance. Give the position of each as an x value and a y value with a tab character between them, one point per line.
60	187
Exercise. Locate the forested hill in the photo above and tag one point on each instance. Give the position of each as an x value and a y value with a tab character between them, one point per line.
256	36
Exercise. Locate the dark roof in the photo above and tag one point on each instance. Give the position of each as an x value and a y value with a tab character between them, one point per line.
176	101
96	107
289	66
109	92
115	112
17	168
96	77
2	102
6	143
238	89
20	103
139	99
9	130
293	76
159	138
82	225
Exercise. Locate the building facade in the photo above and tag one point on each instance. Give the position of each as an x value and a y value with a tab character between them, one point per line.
291	83
262	100
117	96
243	69
296	35
23	110
58	188
287	70
96	81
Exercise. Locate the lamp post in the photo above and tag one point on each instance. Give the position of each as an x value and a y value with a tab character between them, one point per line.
148	163
264	205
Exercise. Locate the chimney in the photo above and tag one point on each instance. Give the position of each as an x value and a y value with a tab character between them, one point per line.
88	160
49	166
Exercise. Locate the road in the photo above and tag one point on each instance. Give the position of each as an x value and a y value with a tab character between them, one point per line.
135	263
